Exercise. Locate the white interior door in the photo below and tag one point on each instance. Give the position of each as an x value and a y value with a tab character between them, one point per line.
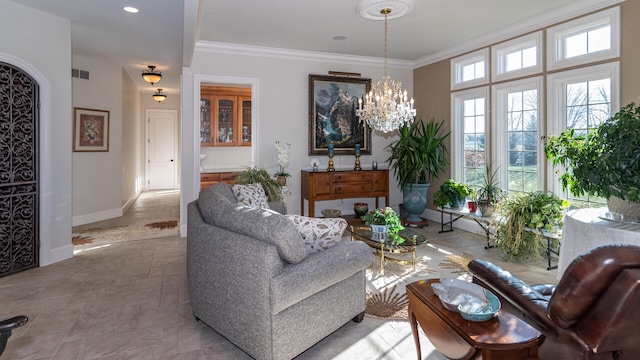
161	140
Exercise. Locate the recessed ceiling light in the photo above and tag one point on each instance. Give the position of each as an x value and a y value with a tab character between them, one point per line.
130	9
339	38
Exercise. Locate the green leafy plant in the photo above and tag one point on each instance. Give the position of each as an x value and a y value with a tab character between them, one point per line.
419	154
254	175
451	193
488	192
384	216
522	217
606	161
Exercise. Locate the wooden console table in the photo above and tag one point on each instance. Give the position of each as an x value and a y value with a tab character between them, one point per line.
503	337
333	185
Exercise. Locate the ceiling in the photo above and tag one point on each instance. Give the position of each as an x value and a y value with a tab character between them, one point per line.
155	36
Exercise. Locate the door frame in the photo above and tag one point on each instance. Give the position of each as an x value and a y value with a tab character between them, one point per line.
176	145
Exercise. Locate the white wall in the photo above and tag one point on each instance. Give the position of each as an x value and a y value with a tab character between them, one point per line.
133	127
282	105
27	35
97	176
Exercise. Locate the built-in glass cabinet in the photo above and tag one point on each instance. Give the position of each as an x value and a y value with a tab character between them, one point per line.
225	116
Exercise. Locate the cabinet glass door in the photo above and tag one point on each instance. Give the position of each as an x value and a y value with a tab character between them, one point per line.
246	122
205	121
226	119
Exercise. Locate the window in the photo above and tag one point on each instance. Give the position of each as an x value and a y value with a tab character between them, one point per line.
470	70
583	98
469	134
517	57
517	110
588	39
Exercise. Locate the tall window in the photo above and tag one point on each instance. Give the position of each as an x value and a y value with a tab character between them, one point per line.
583	99
517	112
469	132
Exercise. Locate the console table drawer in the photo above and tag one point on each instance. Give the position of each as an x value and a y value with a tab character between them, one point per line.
352	189
353	177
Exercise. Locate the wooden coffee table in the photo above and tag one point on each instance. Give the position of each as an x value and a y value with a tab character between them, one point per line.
505	336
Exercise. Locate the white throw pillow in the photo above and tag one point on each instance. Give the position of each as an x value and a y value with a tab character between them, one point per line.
319	233
251	195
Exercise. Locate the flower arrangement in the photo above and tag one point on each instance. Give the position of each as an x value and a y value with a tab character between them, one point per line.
384	216
283	159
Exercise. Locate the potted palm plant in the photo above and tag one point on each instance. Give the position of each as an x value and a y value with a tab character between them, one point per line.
605	162
416	157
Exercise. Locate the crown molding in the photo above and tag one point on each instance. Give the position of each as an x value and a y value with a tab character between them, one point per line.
299	55
567	12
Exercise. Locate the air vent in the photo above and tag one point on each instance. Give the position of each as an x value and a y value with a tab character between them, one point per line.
80	74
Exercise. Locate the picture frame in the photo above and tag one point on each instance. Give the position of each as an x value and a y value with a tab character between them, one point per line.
333	101
90	130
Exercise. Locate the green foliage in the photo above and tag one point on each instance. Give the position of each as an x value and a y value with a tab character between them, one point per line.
488	189
419	153
384	216
521	217
255	175
451	193
605	162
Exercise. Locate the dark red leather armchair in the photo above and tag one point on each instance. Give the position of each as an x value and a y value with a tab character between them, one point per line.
593	312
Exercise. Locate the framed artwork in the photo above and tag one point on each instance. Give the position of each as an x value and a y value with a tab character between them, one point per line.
333	101
90	130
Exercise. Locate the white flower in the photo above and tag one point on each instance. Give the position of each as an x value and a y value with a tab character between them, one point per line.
283	154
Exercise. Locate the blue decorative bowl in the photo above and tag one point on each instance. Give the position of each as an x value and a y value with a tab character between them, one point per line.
480	311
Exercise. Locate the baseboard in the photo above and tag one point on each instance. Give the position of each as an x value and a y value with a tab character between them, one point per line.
97	216
130	202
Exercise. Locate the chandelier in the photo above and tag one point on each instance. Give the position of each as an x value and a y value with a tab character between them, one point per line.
386	107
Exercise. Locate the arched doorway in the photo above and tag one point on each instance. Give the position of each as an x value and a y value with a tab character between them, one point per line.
19	170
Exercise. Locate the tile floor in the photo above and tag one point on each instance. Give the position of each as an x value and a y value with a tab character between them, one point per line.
129	300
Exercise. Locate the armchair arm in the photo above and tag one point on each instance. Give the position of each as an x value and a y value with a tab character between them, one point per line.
516	292
317	272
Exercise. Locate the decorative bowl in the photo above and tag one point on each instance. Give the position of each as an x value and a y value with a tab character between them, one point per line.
360	209
331	213
457	292
479	310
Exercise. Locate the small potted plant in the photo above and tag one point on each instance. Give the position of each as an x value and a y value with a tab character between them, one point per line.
452	194
488	192
283	160
383	219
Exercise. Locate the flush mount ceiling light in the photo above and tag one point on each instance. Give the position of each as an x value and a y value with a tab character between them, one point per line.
130	9
159	96
386	107
151	75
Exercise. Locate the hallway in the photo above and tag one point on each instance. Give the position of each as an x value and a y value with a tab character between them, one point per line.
154	214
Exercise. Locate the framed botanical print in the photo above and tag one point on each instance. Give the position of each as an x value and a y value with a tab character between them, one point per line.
333	101
90	130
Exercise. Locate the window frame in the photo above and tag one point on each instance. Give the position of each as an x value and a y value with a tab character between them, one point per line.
458	63
499	146
457	129
556	36
500	51
556	88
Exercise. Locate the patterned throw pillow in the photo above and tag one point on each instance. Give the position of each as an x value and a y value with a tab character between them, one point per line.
251	195
319	233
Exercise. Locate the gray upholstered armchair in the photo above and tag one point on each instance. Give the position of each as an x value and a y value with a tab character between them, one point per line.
253	281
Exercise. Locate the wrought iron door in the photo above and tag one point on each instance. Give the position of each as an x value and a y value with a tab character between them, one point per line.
19	241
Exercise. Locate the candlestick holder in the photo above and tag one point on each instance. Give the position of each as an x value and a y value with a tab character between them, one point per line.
357	167
330	167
